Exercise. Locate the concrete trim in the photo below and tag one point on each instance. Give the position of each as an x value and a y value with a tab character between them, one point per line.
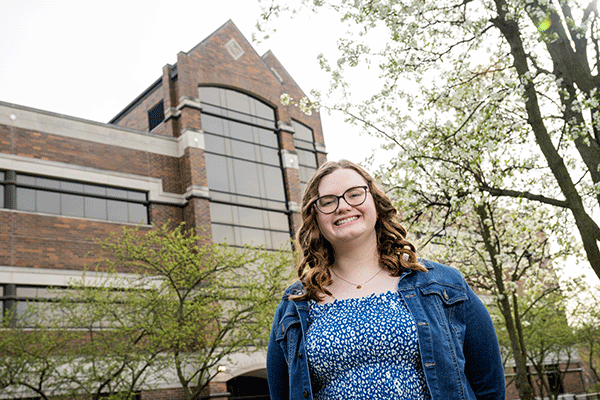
294	206
193	191
320	148
77	129
53	277
191	138
284	126
189	102
154	186
289	159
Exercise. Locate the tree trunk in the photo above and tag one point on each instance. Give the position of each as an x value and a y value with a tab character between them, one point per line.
588	229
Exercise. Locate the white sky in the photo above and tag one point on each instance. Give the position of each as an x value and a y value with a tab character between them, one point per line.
90	59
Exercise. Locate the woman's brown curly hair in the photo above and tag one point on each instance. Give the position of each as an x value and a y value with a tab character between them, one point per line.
316	254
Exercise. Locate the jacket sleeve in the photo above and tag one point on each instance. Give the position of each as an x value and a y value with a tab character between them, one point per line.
277	369
483	368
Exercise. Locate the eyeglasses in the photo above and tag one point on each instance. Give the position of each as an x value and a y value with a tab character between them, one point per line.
354	196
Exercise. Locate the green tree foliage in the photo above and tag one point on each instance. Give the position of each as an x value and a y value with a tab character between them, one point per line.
586	320
499	94
164	304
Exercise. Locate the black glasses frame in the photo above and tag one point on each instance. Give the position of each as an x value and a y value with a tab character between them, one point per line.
342	196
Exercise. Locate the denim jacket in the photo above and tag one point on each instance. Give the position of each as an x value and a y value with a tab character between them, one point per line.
457	341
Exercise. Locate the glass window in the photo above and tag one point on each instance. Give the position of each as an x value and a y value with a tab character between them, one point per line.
138	213
267	137
117	193
209	94
95	190
117	211
306	158
215	144
302	132
55	196
241	131
26	180
47	202
72	205
2	178
243	150
25	199
269	156
223	234
95	208
217	172
71	187
246	178
47	183
212	124
274	183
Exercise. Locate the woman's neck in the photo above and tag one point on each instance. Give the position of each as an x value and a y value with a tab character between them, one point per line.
357	261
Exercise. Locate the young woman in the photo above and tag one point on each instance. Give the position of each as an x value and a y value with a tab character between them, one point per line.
367	319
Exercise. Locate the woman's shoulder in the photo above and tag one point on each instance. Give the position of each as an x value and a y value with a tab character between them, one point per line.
440	272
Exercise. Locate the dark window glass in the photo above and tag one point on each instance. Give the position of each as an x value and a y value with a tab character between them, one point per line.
117	211
117	193
137	196
243	150
223	234
236	105
237	101
25	199
267	137
246	178
71	187
47	202
2	178
215	144
213	124
253	217
302	132
138	213
256	237
269	156
241	225
94	190
47	183
306	158
95	208
208	94
221	213
241	131
307	155
156	115
274	183
217	172
26	180
72	205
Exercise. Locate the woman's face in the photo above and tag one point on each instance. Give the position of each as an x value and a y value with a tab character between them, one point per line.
348	224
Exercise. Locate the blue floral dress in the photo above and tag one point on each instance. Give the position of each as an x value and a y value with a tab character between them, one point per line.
364	348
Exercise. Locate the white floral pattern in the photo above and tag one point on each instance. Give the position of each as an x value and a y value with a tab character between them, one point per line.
365	348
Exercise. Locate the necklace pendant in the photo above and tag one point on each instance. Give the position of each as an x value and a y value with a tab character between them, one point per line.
358	286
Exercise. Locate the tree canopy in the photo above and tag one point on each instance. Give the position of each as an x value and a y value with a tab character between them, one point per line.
498	95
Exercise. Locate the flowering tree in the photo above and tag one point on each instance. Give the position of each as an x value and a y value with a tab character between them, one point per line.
512	80
184	306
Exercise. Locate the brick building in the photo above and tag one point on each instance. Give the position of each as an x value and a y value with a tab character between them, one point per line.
208	143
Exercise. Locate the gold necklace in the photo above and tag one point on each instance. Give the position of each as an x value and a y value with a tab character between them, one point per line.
358	285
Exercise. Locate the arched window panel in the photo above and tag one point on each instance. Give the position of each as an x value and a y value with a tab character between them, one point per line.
236	105
306	151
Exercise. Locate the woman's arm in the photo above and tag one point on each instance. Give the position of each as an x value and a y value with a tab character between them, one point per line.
483	368
277	370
